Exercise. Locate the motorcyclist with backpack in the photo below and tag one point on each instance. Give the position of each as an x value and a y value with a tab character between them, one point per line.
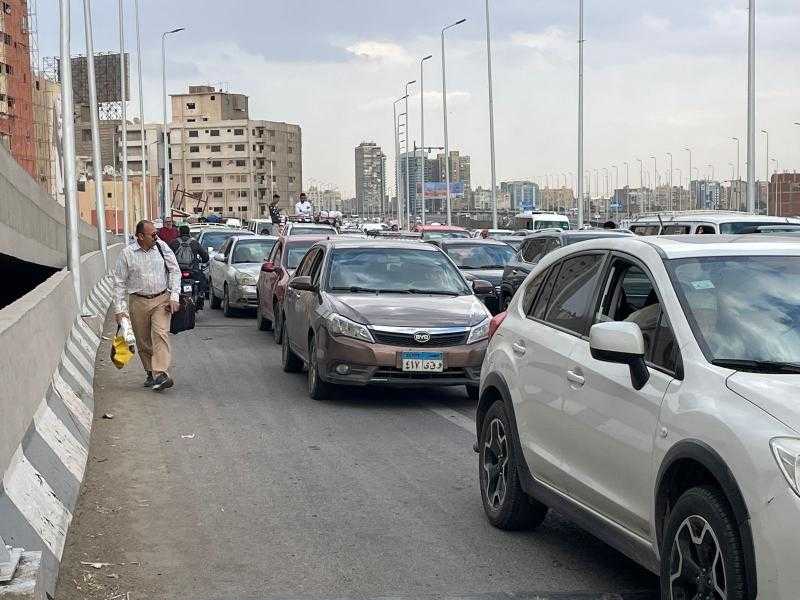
190	255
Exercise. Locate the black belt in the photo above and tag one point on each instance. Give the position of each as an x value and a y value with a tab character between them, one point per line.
150	296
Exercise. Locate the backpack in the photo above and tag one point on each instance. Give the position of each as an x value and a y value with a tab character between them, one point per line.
185	255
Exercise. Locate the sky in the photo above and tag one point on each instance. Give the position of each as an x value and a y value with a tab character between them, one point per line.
659	76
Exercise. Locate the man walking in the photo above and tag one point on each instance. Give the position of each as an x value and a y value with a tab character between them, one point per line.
146	289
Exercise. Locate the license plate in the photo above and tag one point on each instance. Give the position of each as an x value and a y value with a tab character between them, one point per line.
187	288
423	362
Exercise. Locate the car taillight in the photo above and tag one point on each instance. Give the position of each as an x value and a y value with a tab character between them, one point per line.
496	321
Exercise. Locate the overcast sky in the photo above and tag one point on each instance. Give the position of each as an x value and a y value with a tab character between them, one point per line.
658	76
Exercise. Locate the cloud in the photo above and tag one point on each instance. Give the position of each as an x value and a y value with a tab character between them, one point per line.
654	23
379	51
552	39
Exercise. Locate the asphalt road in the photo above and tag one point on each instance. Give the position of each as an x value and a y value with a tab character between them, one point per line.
236	485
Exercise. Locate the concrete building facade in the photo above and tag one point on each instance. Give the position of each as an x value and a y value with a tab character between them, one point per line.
370	179
523	194
784	195
230	163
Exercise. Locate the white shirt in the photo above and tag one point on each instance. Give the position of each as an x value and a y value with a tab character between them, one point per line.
140	272
302	208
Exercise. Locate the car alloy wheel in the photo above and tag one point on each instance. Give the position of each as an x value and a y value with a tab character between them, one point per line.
495	463
697	567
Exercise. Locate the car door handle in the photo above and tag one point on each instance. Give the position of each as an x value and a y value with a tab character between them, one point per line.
576	378
518	348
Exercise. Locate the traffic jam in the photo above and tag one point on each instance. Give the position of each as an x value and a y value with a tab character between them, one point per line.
638	380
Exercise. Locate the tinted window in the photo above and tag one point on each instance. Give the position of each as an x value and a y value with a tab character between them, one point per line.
705	229
480	256
747	227
645	229
295	253
252	251
573	293
444	235
675	230
312	231
275	255
306	263
531	289
539	308
533	250
552	244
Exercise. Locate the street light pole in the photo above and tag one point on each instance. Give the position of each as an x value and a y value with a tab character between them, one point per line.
68	152
641	183
670	180
145	203
124	124
422	128
655	182
97	159
408	175
165	185
444	113
751	107
491	118
580	113
395	135
766	133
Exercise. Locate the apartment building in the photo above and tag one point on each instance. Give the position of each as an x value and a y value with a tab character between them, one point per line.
370	179
235	163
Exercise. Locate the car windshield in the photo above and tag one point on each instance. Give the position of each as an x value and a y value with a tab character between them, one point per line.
550	224
742	308
295	253
444	235
311	231
480	256
215	239
252	251
402	270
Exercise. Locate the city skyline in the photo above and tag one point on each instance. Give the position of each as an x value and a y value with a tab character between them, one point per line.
678	78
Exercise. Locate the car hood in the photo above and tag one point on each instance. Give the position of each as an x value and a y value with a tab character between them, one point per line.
776	394
493	276
250	268
404	310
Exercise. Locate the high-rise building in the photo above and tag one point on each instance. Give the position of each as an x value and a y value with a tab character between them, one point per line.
46	113
236	163
784	194
524	195
370	172
459	169
16	85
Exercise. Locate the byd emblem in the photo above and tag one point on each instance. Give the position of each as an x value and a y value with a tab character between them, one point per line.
422	337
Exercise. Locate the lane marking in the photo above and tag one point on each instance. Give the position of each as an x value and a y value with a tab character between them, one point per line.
455	417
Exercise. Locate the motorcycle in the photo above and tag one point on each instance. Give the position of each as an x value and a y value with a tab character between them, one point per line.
191	287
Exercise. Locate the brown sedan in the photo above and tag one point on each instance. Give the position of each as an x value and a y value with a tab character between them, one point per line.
383	312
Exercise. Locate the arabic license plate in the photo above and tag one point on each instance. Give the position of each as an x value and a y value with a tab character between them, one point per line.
423	362
187	288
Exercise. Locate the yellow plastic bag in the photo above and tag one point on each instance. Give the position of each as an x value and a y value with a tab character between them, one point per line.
121	352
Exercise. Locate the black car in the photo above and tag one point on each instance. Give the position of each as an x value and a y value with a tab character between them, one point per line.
534	247
479	258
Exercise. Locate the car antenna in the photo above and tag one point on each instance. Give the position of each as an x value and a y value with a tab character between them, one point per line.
660	222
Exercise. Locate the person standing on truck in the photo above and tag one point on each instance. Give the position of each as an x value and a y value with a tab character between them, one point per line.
274	211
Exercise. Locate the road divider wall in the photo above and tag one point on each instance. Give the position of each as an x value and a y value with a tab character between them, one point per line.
47	354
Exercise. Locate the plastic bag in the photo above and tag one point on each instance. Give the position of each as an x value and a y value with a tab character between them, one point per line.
123	347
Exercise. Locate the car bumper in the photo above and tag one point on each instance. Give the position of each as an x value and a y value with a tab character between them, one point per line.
244	296
381	364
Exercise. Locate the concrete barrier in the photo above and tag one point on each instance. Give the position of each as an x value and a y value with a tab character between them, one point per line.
47	349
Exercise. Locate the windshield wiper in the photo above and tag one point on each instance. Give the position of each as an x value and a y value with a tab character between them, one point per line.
356	289
492	267
757	366
431	292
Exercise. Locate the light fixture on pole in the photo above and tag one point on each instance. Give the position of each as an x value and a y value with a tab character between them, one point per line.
444	113
142	138
68	152
751	107
408	175
491	118
402	123
580	113
395	136
166	209
123	124
97	159
422	131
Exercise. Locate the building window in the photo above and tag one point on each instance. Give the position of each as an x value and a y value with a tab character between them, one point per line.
242	193
6	8
216	208
195	164
242	209
291	166
109	195
215	148
290	150
196	179
190	120
86	135
215	133
241	163
238	132
216	179
217	195
194	148
205	118
216	163
193	133
271	148
212	97
239	147
190	105
271	133
291	179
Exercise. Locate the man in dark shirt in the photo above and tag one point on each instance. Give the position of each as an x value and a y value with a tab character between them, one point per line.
274	211
199	255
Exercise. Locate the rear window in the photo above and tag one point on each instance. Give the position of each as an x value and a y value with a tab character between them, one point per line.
676	229
645	229
312	231
743	227
215	239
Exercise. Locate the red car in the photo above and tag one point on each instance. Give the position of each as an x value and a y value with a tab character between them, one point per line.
274	277
439	232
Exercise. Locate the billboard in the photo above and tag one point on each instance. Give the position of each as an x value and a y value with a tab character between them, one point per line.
107	74
437	190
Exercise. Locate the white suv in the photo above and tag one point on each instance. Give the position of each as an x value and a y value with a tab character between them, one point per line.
648	389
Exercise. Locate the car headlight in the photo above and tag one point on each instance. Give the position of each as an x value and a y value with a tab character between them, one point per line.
339	325
479	332
245	279
787	454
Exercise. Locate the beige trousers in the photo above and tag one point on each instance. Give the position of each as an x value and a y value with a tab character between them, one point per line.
150	319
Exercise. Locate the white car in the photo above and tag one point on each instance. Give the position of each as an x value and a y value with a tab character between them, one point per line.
647	388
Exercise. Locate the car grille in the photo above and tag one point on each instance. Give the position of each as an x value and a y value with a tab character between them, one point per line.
407	339
394	373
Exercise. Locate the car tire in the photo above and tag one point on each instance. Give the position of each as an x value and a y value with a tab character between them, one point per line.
290	362
473	391
216	302
702	549
226	302
280	319
262	323
505	503
317	388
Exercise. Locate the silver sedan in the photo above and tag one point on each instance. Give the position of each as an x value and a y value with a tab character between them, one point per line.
234	270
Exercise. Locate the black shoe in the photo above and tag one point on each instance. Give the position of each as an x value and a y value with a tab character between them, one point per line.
149	381
162	382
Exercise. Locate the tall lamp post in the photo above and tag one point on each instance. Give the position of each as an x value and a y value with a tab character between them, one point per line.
408	175
766	134
444	113
669	154
165	205
124	124
580	113
422	128
641	183
145	203
491	117
751	107
395	136
691	200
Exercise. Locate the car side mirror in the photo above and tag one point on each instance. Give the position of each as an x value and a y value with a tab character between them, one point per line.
481	287
302	283
620	342
268	267
219	256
